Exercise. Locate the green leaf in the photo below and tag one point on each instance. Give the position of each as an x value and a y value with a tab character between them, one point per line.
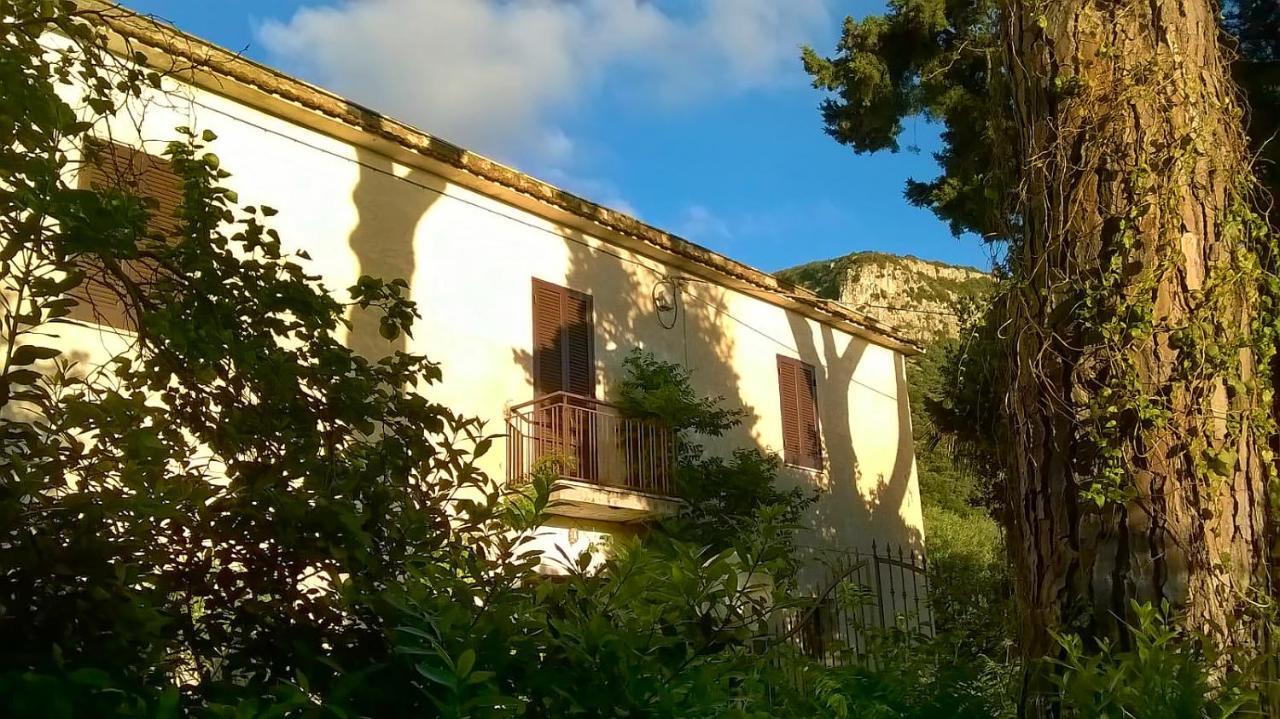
167	705
91	676
434	674
1222	463
466	662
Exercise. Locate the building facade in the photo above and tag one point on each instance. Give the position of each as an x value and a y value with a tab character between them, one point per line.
531	298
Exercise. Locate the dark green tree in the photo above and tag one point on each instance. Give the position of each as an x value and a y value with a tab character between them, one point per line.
935	61
926	60
1255	26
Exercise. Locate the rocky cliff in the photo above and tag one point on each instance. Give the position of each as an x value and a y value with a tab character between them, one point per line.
924	299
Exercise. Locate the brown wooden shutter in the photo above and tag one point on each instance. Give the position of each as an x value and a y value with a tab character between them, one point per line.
548	348
111	165
810	438
790	411
798	396
563	341
579	335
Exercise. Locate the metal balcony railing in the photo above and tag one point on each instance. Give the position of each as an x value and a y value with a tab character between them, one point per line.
589	441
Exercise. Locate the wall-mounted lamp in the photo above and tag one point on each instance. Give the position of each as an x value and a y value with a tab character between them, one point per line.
666	302
663	302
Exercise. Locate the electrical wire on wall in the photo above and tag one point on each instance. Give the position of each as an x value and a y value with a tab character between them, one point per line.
684	319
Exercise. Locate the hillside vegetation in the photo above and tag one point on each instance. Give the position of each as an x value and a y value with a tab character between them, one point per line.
923	298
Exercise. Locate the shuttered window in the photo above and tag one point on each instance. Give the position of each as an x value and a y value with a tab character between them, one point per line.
112	166
798	392
563	341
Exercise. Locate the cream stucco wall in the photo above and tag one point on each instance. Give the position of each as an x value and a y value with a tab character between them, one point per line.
470	258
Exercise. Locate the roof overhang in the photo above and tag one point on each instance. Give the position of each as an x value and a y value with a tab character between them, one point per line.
208	66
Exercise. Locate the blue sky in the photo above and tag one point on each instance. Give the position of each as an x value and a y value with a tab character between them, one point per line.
692	114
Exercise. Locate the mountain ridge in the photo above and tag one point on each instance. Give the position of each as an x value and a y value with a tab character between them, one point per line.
926	299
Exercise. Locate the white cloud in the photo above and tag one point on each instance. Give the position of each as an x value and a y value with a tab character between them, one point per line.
556	146
596	189
775	223
760	38
502	76
700	224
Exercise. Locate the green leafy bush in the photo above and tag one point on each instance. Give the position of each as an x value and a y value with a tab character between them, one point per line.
662	629
958	446
915	676
661	390
969	584
202	523
1162	671
723	498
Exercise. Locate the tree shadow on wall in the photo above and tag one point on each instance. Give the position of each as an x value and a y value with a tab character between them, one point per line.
624	317
849	515
704	339
389	208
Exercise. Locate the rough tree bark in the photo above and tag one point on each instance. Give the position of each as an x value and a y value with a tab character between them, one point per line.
1139	420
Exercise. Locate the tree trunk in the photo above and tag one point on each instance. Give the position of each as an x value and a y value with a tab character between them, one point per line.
1140	421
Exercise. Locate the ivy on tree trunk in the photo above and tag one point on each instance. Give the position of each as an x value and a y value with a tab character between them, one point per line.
1139	317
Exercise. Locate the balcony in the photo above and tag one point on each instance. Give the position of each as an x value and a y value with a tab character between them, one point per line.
610	467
